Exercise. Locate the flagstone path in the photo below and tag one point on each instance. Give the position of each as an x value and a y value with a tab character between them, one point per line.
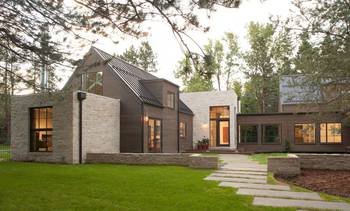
250	178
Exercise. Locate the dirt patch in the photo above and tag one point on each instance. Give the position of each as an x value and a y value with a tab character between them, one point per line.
327	181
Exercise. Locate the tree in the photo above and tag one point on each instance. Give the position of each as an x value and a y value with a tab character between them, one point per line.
232	57
248	100
325	50
143	57
268	57
215	54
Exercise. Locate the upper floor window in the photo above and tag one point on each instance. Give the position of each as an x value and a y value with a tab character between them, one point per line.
41	129
248	133
330	133
304	133
182	130
94	82
271	133
219	112
170	100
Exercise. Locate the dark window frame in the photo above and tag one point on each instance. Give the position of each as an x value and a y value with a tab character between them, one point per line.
331	143
257	134
32	130
217	120
183	135
279	134
305	123
95	82
161	134
173	99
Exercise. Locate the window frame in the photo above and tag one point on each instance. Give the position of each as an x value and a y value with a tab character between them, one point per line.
257	134
32	130
279	134
161	134
173	99
184	130
315	133
331	143
217	120
87	88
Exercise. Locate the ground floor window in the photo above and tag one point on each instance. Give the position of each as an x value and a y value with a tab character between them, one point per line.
330	133
248	133
182	130
304	133
154	135
219	126
41	129
271	133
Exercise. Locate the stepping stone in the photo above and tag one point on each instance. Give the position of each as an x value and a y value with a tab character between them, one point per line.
245	169
279	194
254	186
225	179
274	202
238	176
240	172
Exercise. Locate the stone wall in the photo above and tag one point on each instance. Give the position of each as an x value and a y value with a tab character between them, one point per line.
287	166
200	103
325	161
178	159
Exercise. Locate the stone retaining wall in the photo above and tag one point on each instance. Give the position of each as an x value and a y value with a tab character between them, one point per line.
325	161
178	159
287	166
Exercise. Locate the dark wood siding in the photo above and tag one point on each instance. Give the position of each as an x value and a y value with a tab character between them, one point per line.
186	143
286	122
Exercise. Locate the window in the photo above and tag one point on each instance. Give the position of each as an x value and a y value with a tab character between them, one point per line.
170	100
94	82
154	135
182	130
221	112
271	133
330	133
304	133
83	81
41	129
248	133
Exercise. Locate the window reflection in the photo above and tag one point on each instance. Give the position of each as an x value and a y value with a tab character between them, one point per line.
330	133
304	133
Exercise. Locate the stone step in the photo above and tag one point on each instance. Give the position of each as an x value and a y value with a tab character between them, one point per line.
254	186
244	169
275	202
245	180
238	176
240	172
279	194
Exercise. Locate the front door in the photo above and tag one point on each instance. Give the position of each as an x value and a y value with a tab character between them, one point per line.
154	135
223	133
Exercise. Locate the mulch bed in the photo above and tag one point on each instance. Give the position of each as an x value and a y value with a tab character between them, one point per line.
327	181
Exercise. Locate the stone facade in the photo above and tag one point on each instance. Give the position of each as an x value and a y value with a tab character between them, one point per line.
287	166
200	103
178	159
100	126
325	161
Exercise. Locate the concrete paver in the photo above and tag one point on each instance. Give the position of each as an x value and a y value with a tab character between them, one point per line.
255	186
281	194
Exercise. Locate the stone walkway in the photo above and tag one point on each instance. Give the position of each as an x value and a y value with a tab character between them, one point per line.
250	178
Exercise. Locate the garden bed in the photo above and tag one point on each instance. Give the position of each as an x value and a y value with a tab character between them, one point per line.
327	181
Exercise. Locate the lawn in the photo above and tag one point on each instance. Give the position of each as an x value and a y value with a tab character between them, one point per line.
261	158
5	151
33	186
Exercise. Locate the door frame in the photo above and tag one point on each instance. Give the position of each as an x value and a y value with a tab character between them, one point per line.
217	120
218	132
161	133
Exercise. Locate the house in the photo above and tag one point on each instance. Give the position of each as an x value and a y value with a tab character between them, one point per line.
111	106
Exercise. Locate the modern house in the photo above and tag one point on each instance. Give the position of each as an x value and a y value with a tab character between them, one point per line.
111	106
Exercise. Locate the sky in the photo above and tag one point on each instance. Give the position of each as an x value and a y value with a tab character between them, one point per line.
222	20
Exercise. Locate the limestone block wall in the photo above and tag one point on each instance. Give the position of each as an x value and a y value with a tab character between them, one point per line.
200	103
287	166
325	161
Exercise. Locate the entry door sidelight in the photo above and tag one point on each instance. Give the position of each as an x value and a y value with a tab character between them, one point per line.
154	135
223	133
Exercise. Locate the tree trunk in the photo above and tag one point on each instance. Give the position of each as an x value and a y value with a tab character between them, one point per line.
218	79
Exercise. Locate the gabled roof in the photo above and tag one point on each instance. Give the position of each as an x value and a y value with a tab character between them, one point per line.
133	77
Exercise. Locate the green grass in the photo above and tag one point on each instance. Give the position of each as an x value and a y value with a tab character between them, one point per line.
33	186
261	158
5	151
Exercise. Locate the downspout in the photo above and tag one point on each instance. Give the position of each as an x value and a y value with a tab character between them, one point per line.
178	119
81	97
142	127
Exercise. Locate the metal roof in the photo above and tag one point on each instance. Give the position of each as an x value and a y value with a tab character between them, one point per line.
133	77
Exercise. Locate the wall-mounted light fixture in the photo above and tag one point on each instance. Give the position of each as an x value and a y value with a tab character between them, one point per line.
146	118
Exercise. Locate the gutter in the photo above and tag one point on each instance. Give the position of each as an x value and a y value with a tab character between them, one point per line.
81	96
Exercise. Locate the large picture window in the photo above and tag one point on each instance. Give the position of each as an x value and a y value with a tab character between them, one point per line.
219	126
94	83
154	135
41	129
248	133
304	133
271	133
170	103
182	130
330	133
